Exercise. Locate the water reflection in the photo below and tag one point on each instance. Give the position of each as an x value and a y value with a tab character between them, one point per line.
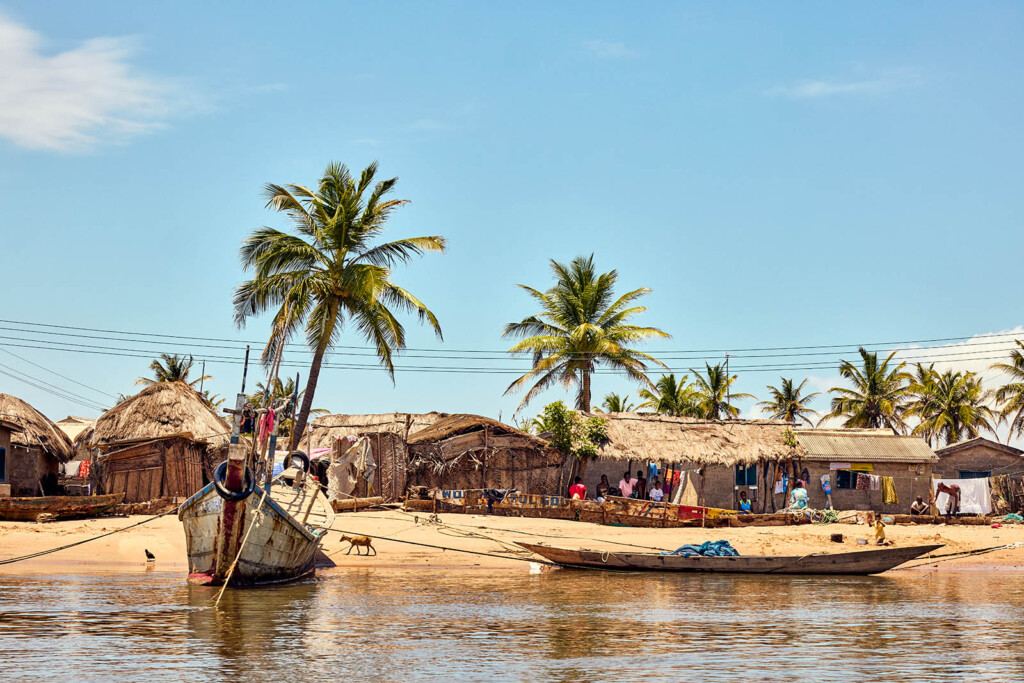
383	625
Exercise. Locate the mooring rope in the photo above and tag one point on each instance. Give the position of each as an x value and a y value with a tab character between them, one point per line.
441	547
946	557
252	525
41	553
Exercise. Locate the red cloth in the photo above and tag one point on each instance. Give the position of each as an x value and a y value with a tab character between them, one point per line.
83	471
266	425
578	489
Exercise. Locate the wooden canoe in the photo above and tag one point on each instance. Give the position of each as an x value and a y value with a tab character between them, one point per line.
274	539
873	561
59	507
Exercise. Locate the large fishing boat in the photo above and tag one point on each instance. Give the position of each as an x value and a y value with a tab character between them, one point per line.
245	535
856	562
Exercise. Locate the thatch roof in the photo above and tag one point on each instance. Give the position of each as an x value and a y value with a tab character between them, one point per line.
36	429
863	445
674	439
328	428
161	410
453	425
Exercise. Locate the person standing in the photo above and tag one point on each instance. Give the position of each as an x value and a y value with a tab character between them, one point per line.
640	487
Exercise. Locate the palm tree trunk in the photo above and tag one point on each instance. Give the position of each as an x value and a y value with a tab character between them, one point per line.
583	399
299	426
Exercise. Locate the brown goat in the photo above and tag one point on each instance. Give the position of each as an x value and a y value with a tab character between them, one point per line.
359	542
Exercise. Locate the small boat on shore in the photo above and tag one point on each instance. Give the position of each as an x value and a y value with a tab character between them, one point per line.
857	562
57	507
245	535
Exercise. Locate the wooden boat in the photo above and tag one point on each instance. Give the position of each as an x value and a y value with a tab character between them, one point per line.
256	539
57	507
856	562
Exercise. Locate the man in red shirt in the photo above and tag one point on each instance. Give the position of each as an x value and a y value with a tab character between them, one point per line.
577	491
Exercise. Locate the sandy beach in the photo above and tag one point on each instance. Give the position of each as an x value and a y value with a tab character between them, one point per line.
495	536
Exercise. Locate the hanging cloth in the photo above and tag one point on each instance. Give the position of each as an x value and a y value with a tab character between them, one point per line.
863	483
975	496
266	425
889	496
875	482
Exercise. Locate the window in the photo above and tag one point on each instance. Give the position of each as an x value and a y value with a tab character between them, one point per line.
845	479
972	474
746	476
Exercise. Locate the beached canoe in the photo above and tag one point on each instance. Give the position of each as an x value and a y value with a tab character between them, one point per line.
856	562
57	507
269	539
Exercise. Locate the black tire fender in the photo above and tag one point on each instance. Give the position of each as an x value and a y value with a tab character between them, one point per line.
220	474
298	455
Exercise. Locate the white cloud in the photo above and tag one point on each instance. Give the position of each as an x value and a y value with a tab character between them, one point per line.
77	99
607	50
888	81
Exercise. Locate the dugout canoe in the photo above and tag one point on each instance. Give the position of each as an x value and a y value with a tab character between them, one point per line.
252	539
58	507
857	562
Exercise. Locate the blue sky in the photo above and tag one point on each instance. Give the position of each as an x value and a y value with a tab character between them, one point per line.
780	175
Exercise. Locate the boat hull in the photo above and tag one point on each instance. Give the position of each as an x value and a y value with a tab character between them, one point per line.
859	562
278	549
60	507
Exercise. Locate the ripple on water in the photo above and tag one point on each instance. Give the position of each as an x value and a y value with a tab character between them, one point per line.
555	626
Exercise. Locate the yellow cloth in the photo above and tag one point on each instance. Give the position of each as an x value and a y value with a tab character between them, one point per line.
889	491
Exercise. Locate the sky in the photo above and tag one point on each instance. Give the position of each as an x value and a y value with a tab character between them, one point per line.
790	174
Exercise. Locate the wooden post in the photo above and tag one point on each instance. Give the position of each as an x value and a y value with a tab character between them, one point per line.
483	467
702	501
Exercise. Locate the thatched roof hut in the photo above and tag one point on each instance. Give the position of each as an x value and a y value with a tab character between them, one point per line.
453	425
161	410
329	428
703	442
37	431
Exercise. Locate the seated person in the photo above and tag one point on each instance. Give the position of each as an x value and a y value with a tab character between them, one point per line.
603	487
744	503
657	494
578	491
919	507
614	491
626	485
798	496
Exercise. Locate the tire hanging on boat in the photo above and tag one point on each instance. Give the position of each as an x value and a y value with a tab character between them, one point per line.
300	456
219	476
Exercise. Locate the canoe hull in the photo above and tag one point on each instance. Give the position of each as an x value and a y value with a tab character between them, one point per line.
60	507
859	562
277	550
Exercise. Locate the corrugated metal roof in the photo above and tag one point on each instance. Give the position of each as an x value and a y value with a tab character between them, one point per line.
864	446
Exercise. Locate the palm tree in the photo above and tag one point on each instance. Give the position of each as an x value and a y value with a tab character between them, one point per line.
329	271
671	397
581	326
950	406
714	394
171	368
282	393
878	395
1011	395
788	402
613	403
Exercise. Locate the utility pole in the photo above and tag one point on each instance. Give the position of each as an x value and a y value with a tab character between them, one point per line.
728	387
202	377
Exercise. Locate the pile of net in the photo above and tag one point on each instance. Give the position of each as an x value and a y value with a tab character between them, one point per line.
706	549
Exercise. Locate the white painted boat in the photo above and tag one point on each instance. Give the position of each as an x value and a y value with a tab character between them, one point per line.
256	539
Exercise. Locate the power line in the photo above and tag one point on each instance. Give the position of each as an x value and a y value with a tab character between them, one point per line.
53	372
886	344
50	388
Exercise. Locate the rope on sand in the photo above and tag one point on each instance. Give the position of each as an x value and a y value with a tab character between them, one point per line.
441	547
41	553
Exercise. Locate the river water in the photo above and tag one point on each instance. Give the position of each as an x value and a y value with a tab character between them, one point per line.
554	626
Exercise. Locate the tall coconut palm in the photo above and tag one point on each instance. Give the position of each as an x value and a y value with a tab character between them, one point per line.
950	405
788	402
714	394
671	397
330	270
1010	396
613	403
581	326
170	367
878	396
282	394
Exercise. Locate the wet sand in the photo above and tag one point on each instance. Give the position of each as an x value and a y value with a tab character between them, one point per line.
125	551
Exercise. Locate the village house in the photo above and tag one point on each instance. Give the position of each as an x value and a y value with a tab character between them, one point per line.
159	443
977	459
33	450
